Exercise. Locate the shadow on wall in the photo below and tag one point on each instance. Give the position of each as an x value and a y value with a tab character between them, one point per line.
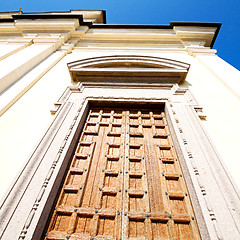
185	84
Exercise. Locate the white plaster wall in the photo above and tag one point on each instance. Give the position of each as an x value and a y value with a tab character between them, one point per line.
7	49
23	125
23	84
16	65
224	72
212	82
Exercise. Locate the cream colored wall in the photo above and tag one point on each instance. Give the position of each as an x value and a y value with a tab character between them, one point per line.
7	49
215	84
18	64
23	84
23	124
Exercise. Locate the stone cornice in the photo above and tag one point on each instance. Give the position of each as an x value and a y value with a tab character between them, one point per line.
196	50
85	25
183	31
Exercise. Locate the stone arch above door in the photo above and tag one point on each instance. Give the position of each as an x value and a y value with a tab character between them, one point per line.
119	66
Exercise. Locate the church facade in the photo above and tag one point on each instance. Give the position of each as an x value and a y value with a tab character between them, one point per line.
116	131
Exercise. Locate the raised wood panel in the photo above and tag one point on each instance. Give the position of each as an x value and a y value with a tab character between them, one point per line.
124	182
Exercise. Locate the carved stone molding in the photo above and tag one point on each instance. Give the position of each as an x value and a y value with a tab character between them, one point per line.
128	68
196	50
48	177
195	167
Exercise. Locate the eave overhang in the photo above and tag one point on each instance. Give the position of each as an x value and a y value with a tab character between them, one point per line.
172	25
184	32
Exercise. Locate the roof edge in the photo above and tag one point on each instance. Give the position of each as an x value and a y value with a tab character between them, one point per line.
42	15
49	15
170	26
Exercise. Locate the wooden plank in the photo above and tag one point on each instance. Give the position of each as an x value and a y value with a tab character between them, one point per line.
65	209
160	135
110	191
72	223
99	175
107	213
157	116
171	176
116	124
165	147
114	134
135	158
181	218
70	188
106	115
87	212
56	235
135	174
160	217
152	172
103	123
119	197
135	193
85	143
75	170
146	188
114	145
112	158
133	116
81	156
91	123
117	115
147	125
148	228
93	115
113	173
169	160
136	134
94	133
137	216
125	203
85	177
94	226
134	146
135	125
91	186
160	125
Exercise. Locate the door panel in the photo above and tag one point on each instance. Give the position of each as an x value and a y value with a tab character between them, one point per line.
124	182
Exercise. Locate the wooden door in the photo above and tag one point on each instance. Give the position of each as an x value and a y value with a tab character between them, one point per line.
124	182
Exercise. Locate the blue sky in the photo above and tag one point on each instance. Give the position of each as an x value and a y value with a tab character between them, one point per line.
226	12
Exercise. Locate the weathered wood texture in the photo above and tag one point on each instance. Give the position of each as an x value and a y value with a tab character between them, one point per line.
124	182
